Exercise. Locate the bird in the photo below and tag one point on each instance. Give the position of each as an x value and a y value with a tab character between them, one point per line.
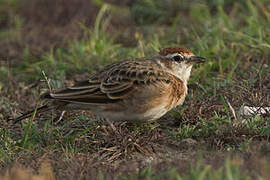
132	90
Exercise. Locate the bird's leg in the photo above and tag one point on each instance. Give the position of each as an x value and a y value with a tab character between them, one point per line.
111	124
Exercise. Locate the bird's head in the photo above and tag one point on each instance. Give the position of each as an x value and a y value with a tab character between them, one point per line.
179	61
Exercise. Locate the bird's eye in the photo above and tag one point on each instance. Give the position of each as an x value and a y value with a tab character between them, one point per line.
177	58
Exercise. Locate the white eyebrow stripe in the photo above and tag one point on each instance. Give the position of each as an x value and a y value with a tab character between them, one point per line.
174	54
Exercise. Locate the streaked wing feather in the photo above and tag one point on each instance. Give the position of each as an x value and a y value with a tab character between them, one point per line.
115	87
114	83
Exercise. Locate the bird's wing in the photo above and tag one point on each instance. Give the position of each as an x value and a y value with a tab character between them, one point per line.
113	83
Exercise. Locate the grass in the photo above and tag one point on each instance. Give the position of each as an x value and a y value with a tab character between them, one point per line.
231	170
191	140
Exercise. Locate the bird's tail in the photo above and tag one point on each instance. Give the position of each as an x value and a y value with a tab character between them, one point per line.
40	109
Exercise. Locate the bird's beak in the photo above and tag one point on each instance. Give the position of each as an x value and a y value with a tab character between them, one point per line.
197	59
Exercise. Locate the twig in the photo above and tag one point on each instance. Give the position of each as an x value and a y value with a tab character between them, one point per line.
231	108
47	80
60	118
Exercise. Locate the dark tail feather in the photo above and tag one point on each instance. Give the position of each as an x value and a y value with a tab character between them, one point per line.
30	113
46	95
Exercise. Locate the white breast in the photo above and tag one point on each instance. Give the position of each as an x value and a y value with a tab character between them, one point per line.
155	113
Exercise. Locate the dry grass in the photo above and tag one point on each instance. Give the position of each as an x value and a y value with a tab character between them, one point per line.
17	172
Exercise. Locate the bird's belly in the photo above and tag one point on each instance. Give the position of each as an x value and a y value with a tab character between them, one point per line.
133	115
155	113
123	112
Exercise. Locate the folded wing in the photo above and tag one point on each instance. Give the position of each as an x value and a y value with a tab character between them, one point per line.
114	83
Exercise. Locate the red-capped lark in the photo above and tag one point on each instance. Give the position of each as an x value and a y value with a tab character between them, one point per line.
142	89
